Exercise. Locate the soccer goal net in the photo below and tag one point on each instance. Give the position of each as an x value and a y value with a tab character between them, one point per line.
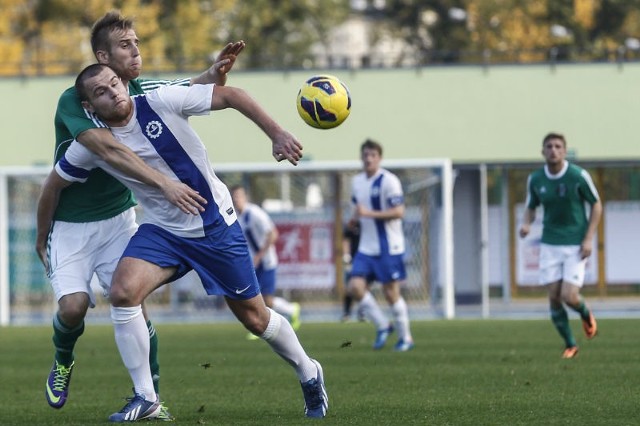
310	204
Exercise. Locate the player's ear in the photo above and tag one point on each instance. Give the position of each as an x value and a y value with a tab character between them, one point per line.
102	56
86	105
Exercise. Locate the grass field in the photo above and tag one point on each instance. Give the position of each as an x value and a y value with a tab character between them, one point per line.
460	373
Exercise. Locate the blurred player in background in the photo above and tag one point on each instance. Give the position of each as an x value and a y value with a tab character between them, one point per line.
350	241
261	235
171	243
94	221
562	189
378	202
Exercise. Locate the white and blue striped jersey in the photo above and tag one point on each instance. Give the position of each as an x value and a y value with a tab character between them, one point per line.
160	134
256	226
379	192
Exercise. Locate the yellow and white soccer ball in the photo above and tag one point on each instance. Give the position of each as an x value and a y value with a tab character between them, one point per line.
324	102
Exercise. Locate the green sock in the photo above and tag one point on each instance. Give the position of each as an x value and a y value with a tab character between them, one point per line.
153	356
560	319
64	340
582	310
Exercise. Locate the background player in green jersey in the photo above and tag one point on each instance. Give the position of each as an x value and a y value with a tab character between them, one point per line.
563	189
93	221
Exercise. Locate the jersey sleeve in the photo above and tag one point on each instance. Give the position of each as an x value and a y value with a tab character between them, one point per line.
532	201
393	191
148	85
73	116
264	221
187	101
587	188
76	163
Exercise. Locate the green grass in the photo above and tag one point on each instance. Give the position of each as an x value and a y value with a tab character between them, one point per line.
460	373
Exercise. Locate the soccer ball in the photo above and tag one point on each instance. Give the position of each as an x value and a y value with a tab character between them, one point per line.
323	102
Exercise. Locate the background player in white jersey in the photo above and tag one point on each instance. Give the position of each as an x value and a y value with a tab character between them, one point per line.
563	189
171	243
94	221
261	235
378	202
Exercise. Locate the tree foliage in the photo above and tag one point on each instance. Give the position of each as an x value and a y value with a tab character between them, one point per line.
517	30
52	36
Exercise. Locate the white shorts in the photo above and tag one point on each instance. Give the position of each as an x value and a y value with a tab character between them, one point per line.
561	263
78	250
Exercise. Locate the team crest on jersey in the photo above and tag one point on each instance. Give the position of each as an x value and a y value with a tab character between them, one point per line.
562	190
153	129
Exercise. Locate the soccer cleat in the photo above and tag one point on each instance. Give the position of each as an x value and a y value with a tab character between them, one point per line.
590	326
164	415
316	401
382	336
295	316
403	345
570	352
57	388
251	336
136	409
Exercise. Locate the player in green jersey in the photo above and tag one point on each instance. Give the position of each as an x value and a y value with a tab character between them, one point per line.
563	189
93	221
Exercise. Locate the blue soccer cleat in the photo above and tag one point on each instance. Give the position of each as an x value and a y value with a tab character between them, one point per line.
57	388
316	401
403	345
137	409
382	336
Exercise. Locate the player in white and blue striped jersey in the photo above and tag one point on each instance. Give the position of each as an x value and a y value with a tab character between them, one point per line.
168	244
378	202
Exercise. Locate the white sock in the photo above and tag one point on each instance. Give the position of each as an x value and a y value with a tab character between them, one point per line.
283	340
371	310
132	339
283	306
401	319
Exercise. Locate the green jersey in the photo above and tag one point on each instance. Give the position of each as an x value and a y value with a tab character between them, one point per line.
101	196
563	197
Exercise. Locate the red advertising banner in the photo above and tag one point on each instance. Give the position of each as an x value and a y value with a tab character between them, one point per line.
305	255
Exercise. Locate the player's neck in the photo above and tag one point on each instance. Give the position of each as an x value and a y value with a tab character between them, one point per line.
371	173
555	168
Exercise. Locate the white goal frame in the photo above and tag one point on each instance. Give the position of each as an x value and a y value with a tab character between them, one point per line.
446	187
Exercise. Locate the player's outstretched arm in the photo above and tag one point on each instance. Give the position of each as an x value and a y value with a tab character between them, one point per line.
102	143
47	204
285	146
217	73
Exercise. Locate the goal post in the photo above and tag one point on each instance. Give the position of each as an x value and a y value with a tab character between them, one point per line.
309	203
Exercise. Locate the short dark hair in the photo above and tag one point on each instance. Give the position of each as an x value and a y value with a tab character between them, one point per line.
103	27
371	144
89	72
553	135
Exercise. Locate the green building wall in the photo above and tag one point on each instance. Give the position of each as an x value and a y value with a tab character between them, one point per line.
470	114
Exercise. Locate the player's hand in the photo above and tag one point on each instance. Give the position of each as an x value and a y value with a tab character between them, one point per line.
524	231
362	211
286	147
183	197
585	249
227	57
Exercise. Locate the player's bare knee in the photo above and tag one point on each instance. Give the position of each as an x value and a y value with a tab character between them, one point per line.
73	308
255	323
120	296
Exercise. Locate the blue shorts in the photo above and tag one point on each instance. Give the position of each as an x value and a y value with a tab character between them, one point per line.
267	280
384	269
221	258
